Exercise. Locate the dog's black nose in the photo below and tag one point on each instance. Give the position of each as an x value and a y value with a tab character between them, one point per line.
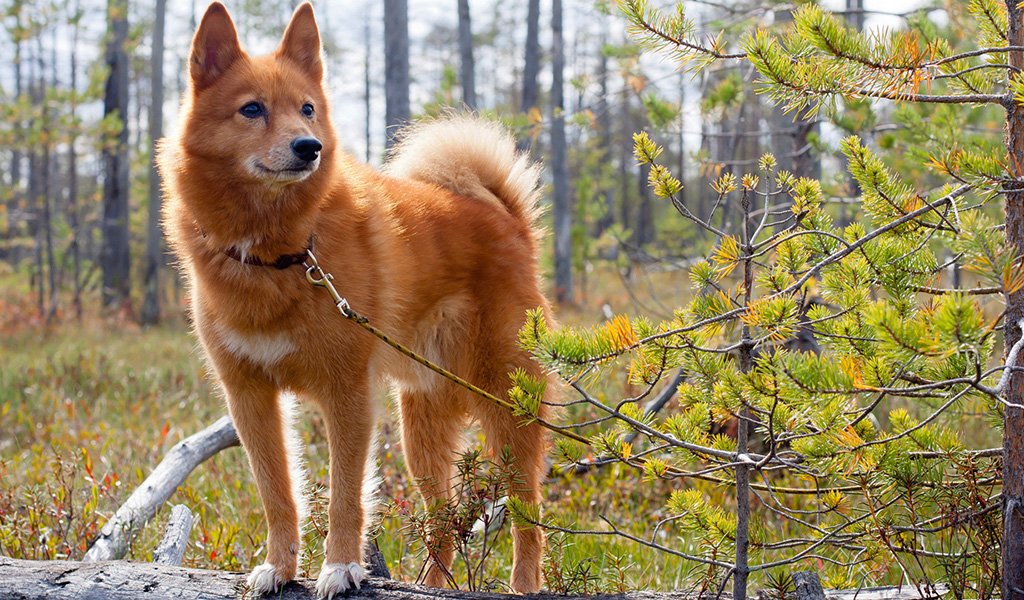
306	148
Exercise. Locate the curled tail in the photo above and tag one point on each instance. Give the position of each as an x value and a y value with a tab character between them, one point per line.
470	157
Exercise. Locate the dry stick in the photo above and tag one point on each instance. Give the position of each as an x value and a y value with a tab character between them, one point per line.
182	459
172	548
142	505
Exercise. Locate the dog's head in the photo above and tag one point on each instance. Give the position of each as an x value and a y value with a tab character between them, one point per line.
262	119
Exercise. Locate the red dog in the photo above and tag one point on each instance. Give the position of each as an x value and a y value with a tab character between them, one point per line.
440	251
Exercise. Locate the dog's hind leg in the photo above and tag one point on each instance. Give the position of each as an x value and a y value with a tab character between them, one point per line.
431	423
527	446
255	409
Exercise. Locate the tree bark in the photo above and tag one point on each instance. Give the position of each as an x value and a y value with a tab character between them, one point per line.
466	64
742	568
115	258
72	208
559	167
118	580
150	314
604	126
367	81
790	132
13	232
1013	418
625	159
808	586
531	65
645	211
36	180
396	66
48	197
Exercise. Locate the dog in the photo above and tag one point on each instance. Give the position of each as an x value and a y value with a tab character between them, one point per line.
439	250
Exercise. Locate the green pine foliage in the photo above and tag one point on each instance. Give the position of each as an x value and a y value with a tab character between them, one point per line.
840	343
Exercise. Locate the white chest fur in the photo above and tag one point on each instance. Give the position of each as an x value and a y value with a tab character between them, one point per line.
265	350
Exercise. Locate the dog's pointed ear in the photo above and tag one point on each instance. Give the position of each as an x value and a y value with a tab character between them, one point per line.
301	41
214	47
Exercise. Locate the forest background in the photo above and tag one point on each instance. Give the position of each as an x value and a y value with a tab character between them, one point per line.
100	376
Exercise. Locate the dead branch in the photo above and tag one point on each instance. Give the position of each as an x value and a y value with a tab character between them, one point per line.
142	505
172	547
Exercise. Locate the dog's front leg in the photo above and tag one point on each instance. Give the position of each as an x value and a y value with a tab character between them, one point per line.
255	408
349	421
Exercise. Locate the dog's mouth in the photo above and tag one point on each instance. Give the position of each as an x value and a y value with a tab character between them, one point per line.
285	175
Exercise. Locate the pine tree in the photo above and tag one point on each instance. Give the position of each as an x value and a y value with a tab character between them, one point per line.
848	367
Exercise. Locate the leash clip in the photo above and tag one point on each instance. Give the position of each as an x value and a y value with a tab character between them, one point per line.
316	275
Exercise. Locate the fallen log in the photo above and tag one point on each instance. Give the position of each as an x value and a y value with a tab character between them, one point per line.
121	580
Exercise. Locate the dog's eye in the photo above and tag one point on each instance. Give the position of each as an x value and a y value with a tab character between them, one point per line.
307	109
252	110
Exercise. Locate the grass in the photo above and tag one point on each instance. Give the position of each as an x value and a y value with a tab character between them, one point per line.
89	409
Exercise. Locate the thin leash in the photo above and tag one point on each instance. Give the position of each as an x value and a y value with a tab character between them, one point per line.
317	276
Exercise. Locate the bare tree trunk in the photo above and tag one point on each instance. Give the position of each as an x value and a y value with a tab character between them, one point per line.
13	254
36	179
531	65
115	258
47	225
559	168
396	66
467	66
645	212
855	16
626	205
367	90
742	568
790	132
1013	417
683	79
150	314
72	208
604	126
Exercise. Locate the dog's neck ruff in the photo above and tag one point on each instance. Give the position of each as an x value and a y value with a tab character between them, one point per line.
281	262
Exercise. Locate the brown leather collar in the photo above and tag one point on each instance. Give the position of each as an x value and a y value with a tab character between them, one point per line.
281	262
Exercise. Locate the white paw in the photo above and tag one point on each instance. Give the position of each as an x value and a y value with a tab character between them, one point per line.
337	578
265	580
